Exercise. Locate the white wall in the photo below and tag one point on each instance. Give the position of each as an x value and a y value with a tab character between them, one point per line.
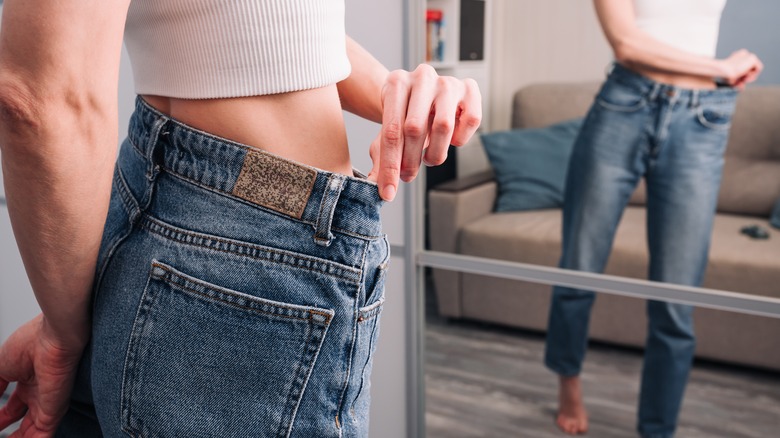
542	41
752	24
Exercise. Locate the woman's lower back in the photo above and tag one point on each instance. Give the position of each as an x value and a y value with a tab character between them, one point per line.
304	126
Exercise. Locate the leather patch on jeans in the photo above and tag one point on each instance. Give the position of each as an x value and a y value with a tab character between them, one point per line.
275	183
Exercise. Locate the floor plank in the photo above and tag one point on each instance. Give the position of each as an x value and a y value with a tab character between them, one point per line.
489	381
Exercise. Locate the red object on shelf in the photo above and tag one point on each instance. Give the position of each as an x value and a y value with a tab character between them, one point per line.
433	15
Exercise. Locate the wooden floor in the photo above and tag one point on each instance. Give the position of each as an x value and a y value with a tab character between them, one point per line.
488	381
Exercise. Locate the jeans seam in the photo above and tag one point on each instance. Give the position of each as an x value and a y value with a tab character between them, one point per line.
351	356
128	200
263	208
127	388
155	226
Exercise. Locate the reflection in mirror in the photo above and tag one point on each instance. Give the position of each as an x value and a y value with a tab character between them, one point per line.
485	352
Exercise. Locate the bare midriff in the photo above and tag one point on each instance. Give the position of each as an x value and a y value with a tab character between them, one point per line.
304	126
677	79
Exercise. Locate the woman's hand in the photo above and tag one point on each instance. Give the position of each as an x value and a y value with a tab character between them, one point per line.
422	115
44	370
741	68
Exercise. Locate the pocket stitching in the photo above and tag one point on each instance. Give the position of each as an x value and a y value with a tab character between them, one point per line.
626	109
707	124
371	311
171	272
252	250
375	309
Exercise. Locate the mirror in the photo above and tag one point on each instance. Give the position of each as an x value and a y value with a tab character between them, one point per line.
542	63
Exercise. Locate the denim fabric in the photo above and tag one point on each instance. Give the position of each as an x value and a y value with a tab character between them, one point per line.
238	294
674	138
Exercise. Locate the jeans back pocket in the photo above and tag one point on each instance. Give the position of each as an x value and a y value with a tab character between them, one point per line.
206	361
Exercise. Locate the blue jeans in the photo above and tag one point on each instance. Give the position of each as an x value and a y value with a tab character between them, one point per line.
674	138
238	294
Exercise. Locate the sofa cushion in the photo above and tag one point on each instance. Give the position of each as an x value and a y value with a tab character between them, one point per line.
737	263
750	186
530	165
540	105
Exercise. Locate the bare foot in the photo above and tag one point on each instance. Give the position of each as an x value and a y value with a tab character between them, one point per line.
572	418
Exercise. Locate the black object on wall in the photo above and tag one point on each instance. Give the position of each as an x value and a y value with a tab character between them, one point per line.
472	30
435	176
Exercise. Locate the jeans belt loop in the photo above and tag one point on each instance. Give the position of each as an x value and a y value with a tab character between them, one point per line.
694	98
152	167
654	91
158	127
322	234
610	67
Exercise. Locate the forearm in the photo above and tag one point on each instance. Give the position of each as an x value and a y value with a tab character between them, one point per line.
361	92
635	48
59	65
57	158
640	50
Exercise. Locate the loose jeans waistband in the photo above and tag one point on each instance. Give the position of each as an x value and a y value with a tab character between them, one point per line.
286	187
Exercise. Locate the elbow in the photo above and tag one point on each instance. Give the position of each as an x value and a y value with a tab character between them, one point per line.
20	117
30	112
18	109
626	52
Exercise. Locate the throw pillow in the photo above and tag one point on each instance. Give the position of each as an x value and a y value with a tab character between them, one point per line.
775	219
530	165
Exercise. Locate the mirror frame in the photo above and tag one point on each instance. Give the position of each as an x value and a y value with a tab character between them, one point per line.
417	258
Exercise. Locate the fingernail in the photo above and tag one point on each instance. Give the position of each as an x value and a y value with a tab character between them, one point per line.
389	192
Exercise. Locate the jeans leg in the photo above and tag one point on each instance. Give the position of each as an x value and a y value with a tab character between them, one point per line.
682	196
604	169
668	355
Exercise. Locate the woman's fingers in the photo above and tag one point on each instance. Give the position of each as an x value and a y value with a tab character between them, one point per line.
445	109
417	124
395	99
13	410
422	114
470	114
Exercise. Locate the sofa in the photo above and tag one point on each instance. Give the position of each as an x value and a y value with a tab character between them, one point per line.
462	221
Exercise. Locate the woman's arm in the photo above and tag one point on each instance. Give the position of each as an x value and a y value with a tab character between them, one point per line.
419	111
59	67
633	47
361	92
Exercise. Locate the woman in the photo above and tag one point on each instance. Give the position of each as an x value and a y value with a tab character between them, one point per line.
662	114
236	259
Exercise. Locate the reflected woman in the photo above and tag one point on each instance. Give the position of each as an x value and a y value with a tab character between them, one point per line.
662	114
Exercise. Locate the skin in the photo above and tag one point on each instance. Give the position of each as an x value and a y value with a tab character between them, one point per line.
59	67
645	55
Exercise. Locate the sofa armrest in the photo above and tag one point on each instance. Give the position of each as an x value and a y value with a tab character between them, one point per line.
450	207
457	203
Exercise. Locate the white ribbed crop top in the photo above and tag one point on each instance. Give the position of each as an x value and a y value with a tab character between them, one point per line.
202	49
690	25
